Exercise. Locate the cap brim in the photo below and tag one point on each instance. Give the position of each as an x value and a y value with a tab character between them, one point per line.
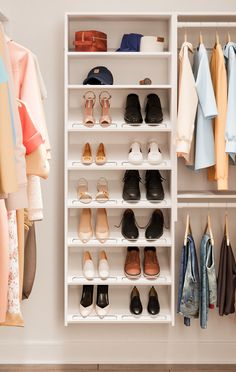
94	77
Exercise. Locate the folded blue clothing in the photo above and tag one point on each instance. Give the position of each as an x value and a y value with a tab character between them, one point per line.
130	43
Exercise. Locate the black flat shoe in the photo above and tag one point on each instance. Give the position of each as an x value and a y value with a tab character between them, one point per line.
131	191
155	226
153	109
153	303
154	188
129	227
135	307
102	302
86	302
133	110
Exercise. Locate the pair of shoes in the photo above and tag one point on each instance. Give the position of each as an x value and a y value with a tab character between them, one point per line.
102	191
154	155
153	110
102	301
154	228
87	158
153	183
85	229
136	306
90	99
88	266
151	267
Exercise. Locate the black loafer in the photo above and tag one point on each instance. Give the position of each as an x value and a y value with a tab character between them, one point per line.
133	110
131	191
136	307
154	188
153	109
155	226
153	303
102	302
129	229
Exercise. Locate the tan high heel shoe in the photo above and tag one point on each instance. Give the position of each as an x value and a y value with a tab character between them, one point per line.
90	100
102	190
102	227
100	155
87	154
104	99
85	229
83	194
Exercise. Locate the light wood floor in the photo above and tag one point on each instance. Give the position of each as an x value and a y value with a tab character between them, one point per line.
118	368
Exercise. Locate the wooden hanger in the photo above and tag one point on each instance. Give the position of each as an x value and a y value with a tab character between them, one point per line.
200	38
185	36
227	229
217	39
187	229
229	37
208	228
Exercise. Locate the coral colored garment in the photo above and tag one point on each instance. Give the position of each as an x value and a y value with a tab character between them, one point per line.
219	172
4	260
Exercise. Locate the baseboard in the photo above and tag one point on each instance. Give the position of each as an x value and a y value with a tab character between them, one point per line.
110	352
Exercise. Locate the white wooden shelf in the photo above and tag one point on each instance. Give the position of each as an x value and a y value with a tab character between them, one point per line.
114	54
128	68
121	86
162	317
220	195
75	123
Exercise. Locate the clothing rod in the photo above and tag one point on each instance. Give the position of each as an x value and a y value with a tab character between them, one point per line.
206	24
207	205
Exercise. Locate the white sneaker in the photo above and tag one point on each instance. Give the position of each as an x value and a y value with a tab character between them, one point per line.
154	153
103	266
135	154
88	266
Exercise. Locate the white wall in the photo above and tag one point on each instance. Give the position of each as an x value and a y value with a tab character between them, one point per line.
39	26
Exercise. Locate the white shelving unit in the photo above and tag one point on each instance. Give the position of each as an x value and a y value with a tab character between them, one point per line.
161	69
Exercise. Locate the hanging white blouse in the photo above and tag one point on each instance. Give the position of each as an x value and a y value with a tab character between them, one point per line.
206	110
187	105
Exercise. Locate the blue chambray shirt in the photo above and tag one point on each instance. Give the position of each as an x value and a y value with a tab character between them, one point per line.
230	130
206	111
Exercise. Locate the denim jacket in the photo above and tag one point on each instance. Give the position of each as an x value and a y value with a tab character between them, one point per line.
188	296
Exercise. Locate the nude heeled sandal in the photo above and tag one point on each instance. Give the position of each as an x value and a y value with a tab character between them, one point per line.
87	154
82	191
90	100
102	227
102	190
85	229
100	155
104	99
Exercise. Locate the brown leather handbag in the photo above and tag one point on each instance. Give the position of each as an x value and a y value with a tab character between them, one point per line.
90	41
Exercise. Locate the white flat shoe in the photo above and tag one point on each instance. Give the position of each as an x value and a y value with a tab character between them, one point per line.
154	153
88	266
135	154
103	266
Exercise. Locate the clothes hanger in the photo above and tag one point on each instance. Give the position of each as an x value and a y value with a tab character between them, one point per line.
208	228
227	229
217	41
187	229
200	38
229	37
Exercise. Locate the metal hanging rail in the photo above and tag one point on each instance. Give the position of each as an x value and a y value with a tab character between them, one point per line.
206	24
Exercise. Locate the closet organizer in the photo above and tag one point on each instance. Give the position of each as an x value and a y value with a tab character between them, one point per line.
187	191
24	160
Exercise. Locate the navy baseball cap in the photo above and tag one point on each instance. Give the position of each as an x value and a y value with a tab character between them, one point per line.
99	75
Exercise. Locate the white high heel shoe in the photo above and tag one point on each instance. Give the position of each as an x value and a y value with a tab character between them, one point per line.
154	153
135	154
